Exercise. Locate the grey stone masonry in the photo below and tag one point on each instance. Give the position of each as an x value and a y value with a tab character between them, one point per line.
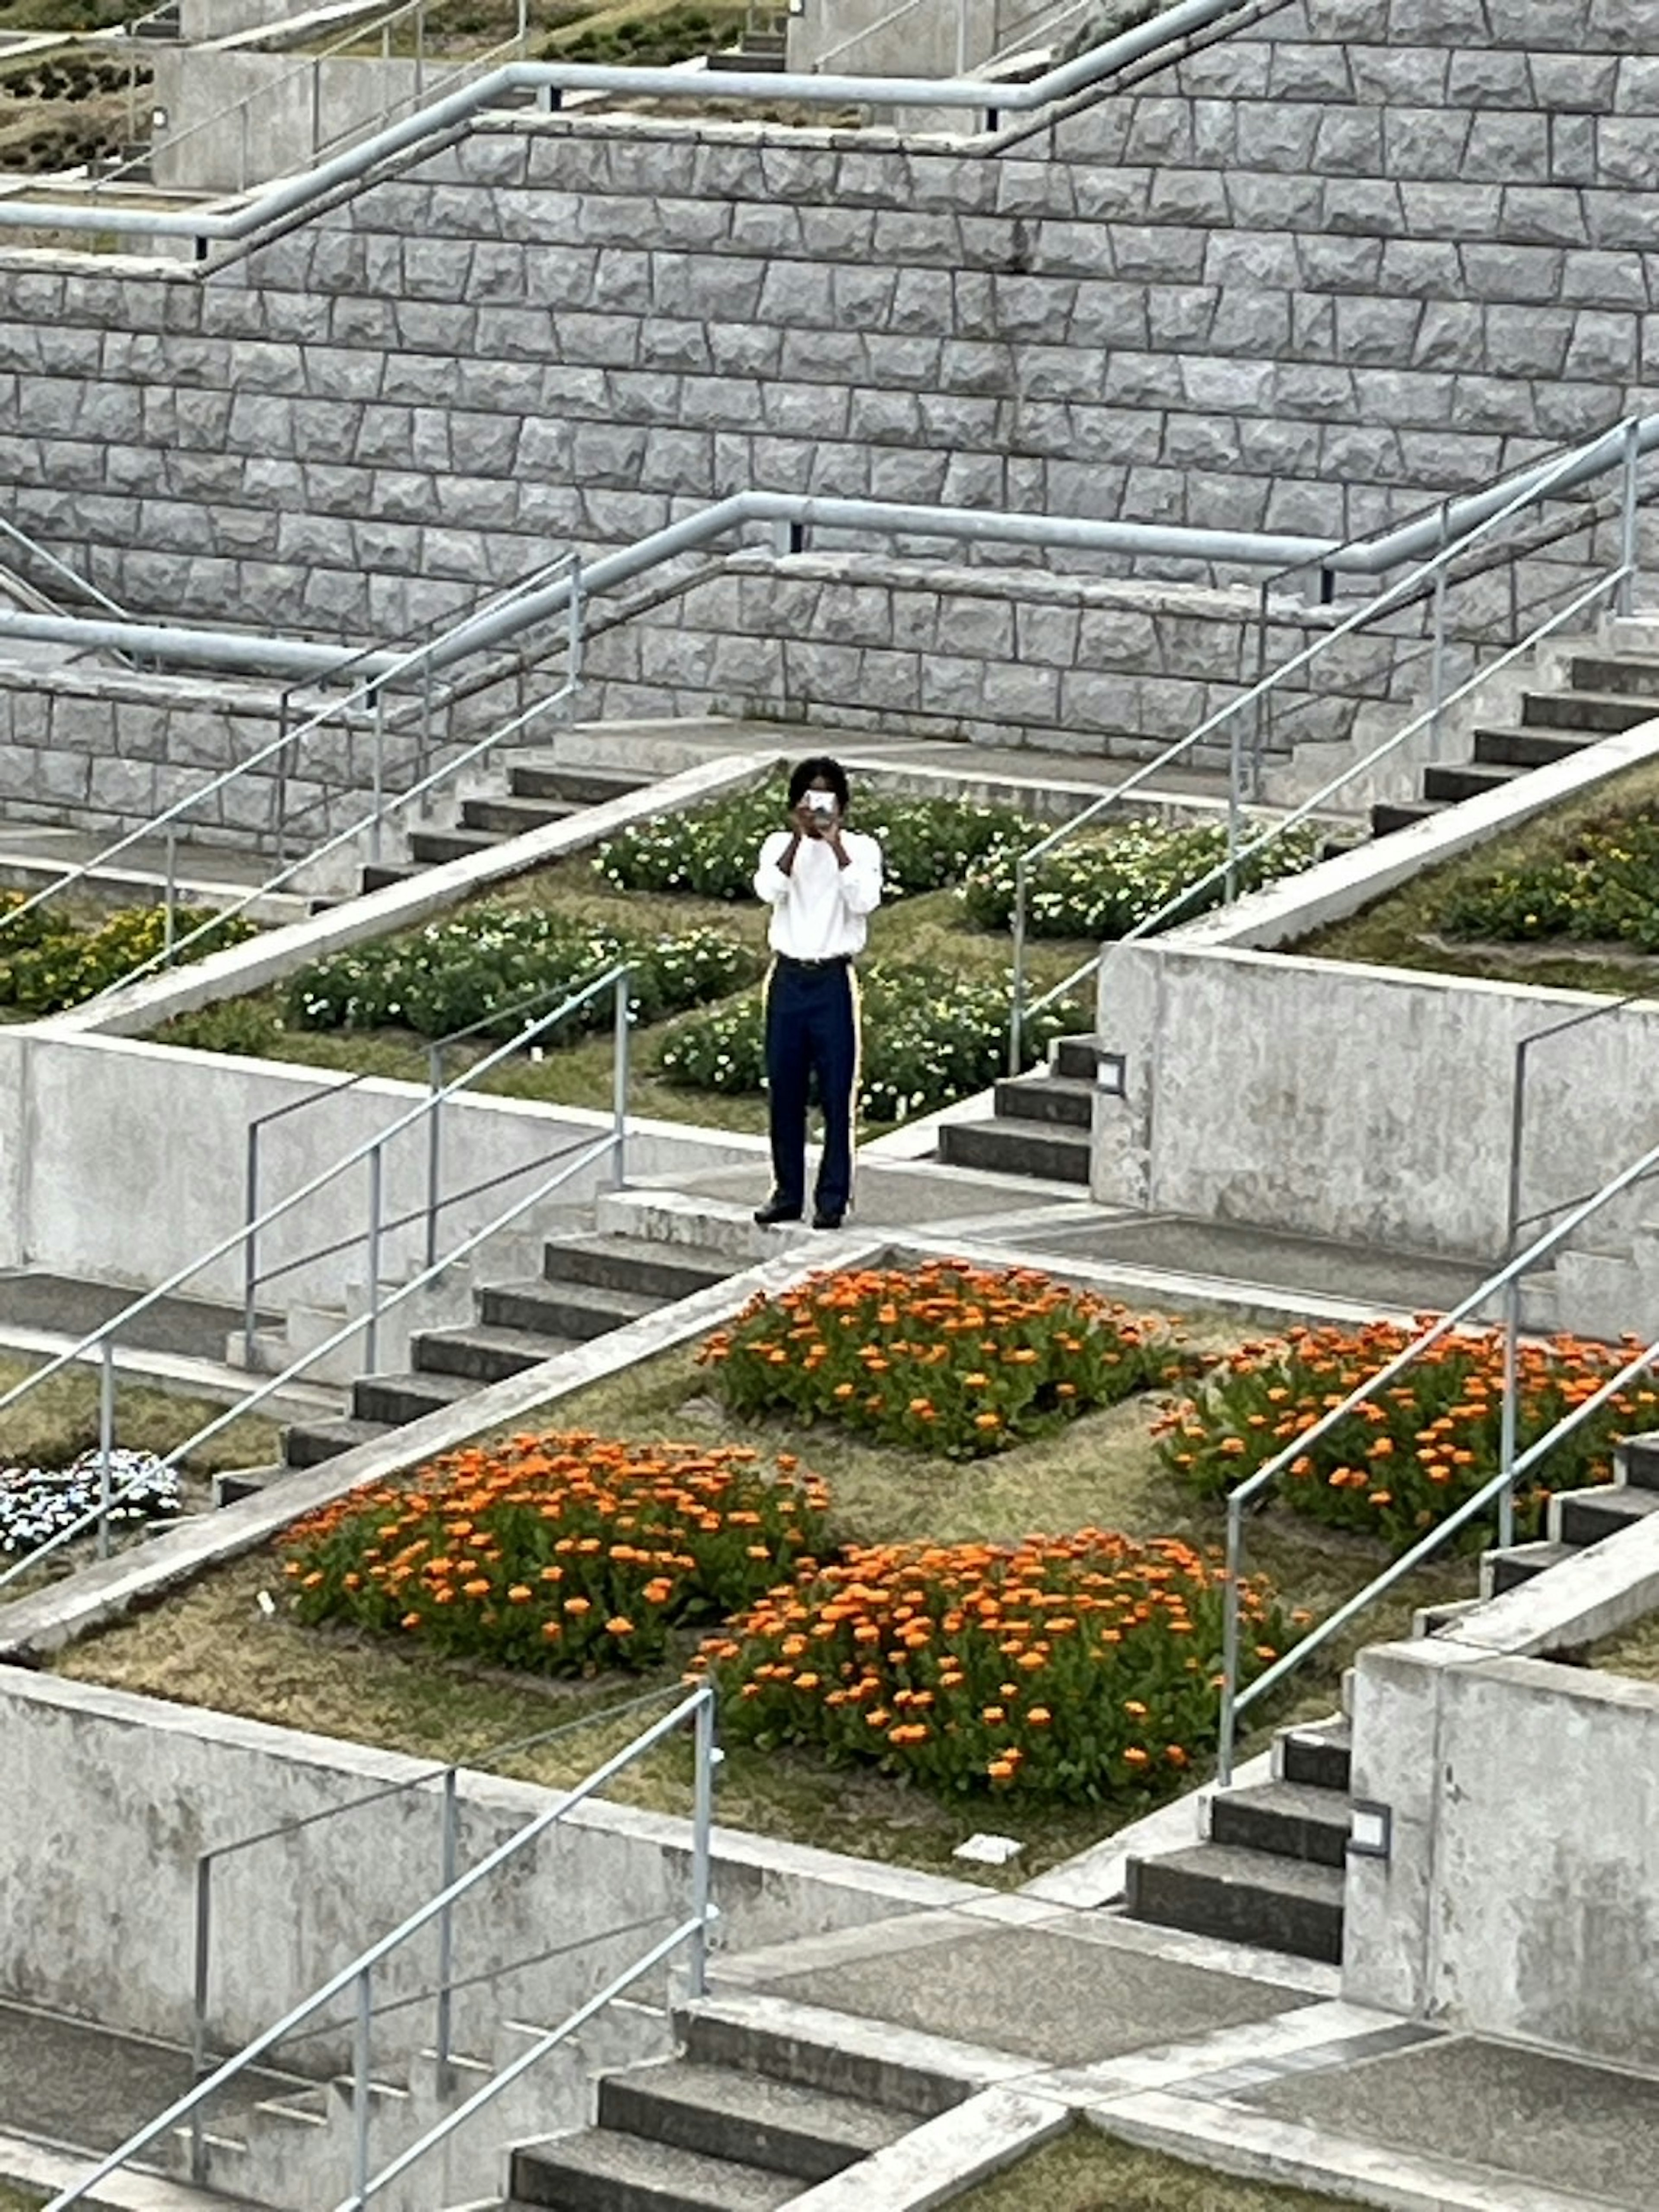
1342	261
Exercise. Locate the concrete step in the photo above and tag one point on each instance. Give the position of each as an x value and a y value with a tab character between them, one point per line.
580	1311
1244	1896
748	58
1293	1820
746	2118
1389	815
481	1355
238	1482
1637	1461
1058	1099
728	2032
309	1443
1468	781
434	847
1527	748
377	874
1603	712
1585	1517
394	1399
534	778
602	2170
1076	1058
1627	674
631	1263
512	817
1005	1146
1322	1757
1518	1563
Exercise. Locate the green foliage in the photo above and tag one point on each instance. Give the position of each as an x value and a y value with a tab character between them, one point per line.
1401	1462
561	1553
1104	885
1605	885
478	966
928	1038
955	1361
925	843
49	960
648	41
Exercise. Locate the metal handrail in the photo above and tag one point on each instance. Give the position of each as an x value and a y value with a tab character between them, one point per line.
36	551
447	1775
368	693
1500	1488
1235	1698
1621	446
370	1151
556	78
697	1708
1305	809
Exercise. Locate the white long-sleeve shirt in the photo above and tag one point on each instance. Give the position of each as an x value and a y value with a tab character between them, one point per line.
818	907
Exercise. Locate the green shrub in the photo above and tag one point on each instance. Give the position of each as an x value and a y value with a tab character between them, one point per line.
1107	882
927	1039
1604	886
955	1361
477	967
49	961
925	843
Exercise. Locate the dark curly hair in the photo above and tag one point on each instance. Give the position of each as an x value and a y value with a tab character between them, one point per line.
807	772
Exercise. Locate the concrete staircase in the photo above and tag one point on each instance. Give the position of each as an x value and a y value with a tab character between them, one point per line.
1042	1123
1579	1517
1271	1871
1605	691
588	1286
535	790
745	2120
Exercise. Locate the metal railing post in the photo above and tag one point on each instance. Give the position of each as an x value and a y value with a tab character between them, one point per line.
106	1440
199	2009
1016	1000
1235	771
251	1247
316	105
1508	1412
702	1823
434	1077
1629	559
242	163
377	773
619	1073
170	896
1437	656
1224	1762
446	1929
524	28
572	661
376	1205
362	2042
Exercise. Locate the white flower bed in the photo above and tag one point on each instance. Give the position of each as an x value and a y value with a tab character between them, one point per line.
38	1503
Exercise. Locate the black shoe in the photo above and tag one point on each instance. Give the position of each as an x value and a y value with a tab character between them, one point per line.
823	1220
775	1211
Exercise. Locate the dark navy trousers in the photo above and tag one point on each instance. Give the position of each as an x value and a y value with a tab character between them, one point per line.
811	1030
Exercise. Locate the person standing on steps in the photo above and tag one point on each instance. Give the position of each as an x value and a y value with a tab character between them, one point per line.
821	880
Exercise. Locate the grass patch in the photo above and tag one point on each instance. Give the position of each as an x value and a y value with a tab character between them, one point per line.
57	1422
212	1645
14	2200
1086	2171
1403	931
929	930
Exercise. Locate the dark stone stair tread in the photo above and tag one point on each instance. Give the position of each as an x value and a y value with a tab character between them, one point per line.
1051	1101
612	1309
521	1347
512	816
1518	1563
674	1271
602	2168
1255	1817
1324	1755
1607	1508
1468	779
1243	1896
440	845
1389	815
1603	671
1638	1457
1544	701
1003	1146
1077	1057
437	1390
308	1443
545	778
1533	746
684	2097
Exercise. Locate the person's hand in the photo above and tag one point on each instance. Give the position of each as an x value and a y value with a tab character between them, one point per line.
809	823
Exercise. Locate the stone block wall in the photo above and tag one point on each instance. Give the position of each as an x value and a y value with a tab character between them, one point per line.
1332	264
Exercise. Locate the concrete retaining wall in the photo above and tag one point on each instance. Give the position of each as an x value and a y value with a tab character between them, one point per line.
1521	1893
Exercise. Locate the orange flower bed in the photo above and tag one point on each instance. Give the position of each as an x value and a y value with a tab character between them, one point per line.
561	1553
1080	1668
1427	1442
944	1358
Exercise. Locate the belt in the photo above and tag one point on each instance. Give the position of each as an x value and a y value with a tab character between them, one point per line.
836	960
